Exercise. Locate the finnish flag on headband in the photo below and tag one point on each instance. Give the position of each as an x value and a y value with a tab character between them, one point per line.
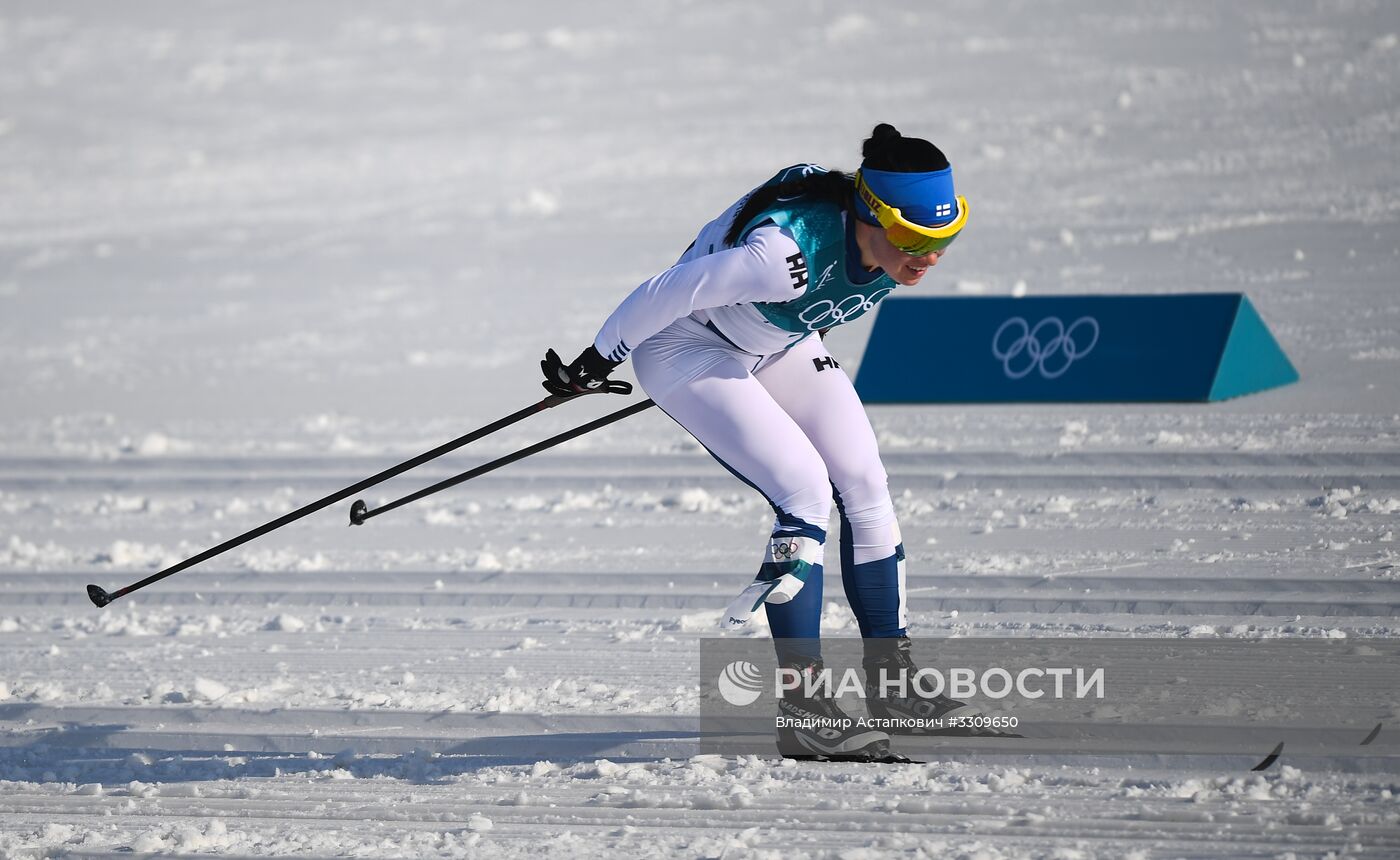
924	198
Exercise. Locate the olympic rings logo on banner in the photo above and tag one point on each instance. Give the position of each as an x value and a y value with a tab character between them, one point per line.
1030	349
826	313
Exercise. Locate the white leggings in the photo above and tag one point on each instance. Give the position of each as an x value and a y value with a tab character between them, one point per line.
788	424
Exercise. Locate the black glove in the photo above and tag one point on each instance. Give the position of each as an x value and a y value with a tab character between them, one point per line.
587	375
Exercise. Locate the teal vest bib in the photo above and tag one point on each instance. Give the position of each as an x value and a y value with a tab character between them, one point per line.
831	298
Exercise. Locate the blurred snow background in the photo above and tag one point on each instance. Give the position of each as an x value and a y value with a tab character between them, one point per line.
224	214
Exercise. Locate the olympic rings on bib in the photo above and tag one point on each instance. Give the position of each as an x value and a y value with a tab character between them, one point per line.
826	313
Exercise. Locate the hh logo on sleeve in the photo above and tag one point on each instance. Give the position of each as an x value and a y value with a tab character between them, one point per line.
797	270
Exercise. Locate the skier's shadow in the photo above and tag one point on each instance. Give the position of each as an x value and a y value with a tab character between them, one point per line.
577	746
94	754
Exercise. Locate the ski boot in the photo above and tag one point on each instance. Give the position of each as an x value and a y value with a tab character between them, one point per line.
916	713
814	728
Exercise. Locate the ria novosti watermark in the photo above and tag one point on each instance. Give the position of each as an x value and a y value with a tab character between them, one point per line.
740	682
1245	697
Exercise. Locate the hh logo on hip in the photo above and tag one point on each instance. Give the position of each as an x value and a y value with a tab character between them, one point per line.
1048	346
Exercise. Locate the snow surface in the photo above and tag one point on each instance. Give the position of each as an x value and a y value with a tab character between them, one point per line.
250	253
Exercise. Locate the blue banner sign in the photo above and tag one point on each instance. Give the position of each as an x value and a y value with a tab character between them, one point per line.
1070	349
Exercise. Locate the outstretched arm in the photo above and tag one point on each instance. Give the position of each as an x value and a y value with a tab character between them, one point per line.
767	267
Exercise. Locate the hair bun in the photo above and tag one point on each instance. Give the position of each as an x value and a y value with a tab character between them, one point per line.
887	149
879	139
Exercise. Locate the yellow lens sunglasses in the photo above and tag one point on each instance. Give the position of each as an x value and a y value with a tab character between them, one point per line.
913	239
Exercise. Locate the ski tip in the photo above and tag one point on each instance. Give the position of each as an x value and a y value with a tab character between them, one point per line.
1269	759
98	595
357	512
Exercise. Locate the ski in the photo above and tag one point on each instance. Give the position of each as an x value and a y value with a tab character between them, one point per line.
890	758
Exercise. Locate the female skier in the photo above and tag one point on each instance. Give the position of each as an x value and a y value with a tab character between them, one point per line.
728	342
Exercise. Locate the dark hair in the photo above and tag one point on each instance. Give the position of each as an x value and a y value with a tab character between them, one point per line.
885	149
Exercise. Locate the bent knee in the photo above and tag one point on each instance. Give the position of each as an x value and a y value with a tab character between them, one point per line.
865	497
807	500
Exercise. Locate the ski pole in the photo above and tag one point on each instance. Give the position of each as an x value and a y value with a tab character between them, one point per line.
101	597
359	511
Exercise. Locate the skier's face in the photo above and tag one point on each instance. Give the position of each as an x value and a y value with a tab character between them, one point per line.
877	252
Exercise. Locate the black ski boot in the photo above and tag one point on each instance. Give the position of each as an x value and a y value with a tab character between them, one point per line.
916	712
814	728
